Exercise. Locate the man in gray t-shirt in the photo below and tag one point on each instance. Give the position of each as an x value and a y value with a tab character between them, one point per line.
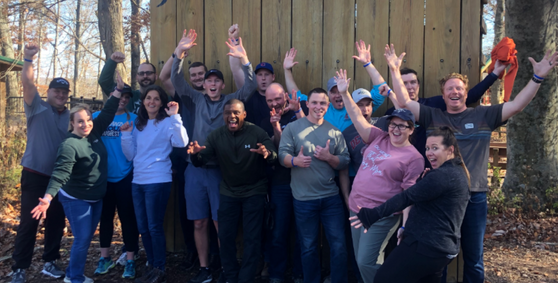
314	149
47	125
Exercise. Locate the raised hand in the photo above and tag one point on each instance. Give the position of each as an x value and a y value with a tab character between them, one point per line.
187	42
302	161
30	50
261	150
289	63
172	108
322	153
41	209
294	101
127	127
274	119
237	50
363	52
543	67
194	148
342	81
118	57
393	61
499	68
233	31
384	89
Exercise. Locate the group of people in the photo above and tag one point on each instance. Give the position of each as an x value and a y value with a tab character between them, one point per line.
268	157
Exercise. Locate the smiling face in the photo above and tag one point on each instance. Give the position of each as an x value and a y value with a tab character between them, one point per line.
264	78
152	103
436	152
335	98
146	76
234	115
317	107
57	97
399	132
196	77
275	97
124	99
455	95
365	106
213	86
412	85
82	123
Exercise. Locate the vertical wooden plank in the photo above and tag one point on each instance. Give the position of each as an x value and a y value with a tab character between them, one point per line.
452	271
248	15
371	18
307	21
407	33
442	43
218	19
276	34
190	16
339	38
163	32
471	11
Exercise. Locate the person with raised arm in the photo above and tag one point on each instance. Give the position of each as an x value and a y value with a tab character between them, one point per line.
473	128
390	165
47	126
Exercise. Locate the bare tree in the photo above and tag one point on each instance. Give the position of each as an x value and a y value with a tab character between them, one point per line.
77	40
57	32
110	28
12	85
135	40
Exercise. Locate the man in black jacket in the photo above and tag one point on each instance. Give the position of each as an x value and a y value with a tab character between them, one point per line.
243	152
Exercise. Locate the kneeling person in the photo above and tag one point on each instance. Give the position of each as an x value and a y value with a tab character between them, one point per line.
237	147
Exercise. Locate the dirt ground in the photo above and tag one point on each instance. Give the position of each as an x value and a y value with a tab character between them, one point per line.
516	250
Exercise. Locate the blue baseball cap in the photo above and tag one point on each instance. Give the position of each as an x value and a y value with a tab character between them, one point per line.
264	65
403	114
213	72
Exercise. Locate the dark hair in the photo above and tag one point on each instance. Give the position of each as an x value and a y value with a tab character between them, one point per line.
142	118
448	139
234	101
197	64
153	66
406	71
317	90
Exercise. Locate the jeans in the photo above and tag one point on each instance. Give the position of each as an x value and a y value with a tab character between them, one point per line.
282	197
150	204
472	237
83	217
308	215
231	209
33	187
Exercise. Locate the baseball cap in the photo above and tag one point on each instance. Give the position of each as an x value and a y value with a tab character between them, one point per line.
331	83
264	65
361	93
126	89
59	83
403	114
213	72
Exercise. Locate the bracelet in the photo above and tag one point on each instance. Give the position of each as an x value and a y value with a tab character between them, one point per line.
298	111
537	81
292	162
534	75
117	89
366	65
402	227
27	60
389	90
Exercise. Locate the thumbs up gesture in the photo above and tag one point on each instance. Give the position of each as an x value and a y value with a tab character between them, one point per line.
322	153
302	161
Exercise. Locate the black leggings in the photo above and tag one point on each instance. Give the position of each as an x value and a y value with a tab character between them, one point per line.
406	265
119	196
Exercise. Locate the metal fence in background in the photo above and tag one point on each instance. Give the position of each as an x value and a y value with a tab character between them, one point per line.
15	104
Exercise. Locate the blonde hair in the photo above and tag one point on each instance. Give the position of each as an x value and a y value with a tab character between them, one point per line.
450	76
78	107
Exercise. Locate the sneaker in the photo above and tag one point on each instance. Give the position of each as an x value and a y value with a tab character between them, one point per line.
191	261
129	269
52	270
265	271
18	276
145	275
203	276
87	280
222	278
123	259
105	264
156	276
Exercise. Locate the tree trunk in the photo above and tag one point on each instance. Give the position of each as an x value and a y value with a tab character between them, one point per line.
110	29
55	52
76	48
135	41
499	31
532	169
40	42
12	85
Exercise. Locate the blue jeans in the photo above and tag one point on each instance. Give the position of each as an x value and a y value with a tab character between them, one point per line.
282	197
150	204
472	237
84	218
308	215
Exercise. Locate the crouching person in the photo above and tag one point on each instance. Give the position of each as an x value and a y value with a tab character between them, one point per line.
242	151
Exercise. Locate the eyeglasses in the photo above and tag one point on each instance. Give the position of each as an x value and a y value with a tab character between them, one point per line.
149	73
399	127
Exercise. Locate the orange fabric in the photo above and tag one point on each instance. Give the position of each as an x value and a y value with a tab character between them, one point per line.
505	52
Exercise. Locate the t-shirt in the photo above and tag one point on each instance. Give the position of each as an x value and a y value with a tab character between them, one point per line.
356	146
316	181
473	129
46	129
385	171
256	108
118	166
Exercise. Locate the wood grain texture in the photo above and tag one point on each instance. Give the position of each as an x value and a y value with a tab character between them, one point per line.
163	32
276	34
218	19
248	15
471	40
190	16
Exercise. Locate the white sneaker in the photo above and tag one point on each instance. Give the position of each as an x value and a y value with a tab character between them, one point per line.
122	259
87	280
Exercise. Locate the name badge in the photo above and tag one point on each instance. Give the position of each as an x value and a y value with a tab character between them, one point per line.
469	126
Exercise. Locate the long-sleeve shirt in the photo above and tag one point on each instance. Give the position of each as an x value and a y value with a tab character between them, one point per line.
152	163
106	81
244	172
208	113
316	181
81	164
439	201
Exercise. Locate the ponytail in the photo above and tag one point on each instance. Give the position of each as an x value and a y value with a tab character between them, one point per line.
448	139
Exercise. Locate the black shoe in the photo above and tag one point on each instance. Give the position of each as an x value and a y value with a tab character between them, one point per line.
18	276
146	274
222	278
203	276
156	276
191	261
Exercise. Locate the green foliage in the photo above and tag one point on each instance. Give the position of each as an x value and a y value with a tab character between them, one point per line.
551	200
495	196
12	147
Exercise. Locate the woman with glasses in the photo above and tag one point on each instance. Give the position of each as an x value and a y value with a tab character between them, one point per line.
390	165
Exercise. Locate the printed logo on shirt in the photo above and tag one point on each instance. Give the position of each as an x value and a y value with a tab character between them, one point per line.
469	126
96	141
369	160
355	142
246	146
347	117
113	130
